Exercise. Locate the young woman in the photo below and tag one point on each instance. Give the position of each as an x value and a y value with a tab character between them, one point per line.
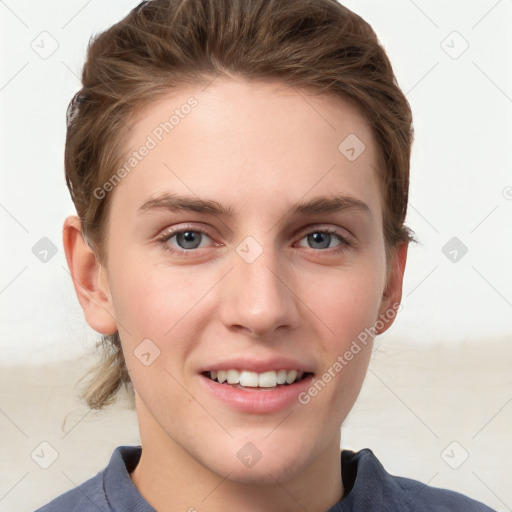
240	170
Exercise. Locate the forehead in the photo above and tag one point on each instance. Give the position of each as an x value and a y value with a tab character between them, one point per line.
247	141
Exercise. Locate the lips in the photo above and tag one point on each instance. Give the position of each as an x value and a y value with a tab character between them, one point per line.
256	386
258	365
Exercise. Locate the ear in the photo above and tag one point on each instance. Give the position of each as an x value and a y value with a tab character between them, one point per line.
89	278
392	295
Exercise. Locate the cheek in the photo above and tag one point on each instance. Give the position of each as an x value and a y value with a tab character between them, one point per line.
156	303
346	302
347	307
154	300
151	299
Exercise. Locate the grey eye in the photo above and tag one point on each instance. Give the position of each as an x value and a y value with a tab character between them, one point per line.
319	240
189	239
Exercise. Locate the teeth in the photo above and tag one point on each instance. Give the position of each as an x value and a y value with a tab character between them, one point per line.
233	376
267	380
249	379
281	376
291	376
253	380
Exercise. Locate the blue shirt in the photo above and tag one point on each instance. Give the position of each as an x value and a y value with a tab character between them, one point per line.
368	487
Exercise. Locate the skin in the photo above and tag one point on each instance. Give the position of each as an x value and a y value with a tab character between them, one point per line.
257	148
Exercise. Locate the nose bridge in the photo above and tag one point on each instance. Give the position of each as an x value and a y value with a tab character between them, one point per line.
259	300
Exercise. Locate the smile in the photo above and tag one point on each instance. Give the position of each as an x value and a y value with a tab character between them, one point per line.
245	378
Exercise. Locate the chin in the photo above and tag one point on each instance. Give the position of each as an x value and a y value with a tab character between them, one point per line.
261	462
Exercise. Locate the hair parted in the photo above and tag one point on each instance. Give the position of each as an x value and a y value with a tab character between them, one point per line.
316	45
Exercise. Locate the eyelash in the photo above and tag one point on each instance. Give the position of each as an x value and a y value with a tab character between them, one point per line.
343	241
166	236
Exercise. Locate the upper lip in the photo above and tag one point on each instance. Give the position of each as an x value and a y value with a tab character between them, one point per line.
258	365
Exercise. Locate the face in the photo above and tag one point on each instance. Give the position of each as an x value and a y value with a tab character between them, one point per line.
246	243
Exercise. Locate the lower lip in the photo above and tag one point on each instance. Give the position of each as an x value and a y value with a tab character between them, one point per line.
257	400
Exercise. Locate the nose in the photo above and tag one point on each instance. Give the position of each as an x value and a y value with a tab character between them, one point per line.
257	298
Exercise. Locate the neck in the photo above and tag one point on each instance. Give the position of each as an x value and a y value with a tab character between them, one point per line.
171	479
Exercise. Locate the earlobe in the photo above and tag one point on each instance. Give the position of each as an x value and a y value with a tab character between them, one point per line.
392	295
89	280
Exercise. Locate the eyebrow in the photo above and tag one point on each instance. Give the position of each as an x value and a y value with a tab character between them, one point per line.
318	205
175	202
331	204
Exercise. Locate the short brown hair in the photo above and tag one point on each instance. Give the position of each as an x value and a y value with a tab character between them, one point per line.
161	45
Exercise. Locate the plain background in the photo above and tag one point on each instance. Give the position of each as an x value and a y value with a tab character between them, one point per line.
460	178
452	59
